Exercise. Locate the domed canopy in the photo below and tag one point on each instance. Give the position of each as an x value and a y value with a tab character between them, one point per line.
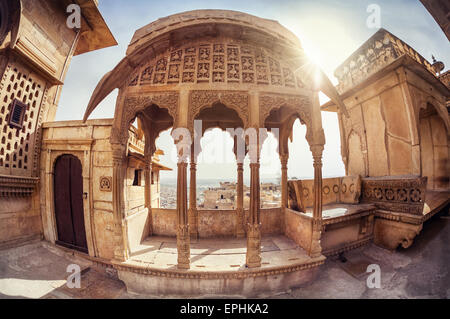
247	34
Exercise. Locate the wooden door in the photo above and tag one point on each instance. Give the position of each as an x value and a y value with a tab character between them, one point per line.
68	190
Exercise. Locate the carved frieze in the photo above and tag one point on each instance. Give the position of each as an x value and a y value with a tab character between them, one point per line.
379	51
216	63
17	186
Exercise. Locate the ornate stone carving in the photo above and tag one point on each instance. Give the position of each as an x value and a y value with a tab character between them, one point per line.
380	50
216	63
20	147
17	186
183	247
240	231
403	195
106	183
260	272
236	100
297	103
146	76
133	104
253	258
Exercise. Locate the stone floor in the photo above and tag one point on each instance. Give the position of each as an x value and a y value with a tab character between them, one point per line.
38	270
217	254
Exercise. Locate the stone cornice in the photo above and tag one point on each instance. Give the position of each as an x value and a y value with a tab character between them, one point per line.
17	186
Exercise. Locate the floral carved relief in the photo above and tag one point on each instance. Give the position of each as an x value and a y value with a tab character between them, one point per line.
236	100
133	104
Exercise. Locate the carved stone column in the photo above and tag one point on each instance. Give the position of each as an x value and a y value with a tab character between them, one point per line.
253	258
148	191
183	236
193	213
316	248
120	249
284	179
240	231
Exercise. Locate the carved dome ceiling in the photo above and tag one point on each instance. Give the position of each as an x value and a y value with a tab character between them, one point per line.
211	49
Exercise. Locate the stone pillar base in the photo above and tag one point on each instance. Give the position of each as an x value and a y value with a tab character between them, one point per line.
120	251
183	247
253	258
316	248
240	231
193	222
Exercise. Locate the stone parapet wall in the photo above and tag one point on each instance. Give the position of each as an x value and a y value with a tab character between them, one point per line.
215	223
298	227
379	51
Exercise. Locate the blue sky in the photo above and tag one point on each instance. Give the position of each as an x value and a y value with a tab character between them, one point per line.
330	30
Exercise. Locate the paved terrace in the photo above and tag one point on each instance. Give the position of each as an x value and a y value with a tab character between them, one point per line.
38	270
218	255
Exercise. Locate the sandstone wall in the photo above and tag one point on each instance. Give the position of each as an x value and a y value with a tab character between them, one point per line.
90	143
383	134
29	73
298	227
215	223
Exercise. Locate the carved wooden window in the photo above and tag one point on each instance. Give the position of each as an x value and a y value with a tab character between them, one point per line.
17	114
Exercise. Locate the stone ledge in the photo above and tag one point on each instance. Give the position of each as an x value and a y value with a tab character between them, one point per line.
17	186
240	274
348	247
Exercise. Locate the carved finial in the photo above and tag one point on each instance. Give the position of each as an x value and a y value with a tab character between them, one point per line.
438	66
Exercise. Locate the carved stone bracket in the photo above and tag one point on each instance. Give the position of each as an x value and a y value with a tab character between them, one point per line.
391	234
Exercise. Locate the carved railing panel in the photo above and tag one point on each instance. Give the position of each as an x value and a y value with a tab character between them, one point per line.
396	194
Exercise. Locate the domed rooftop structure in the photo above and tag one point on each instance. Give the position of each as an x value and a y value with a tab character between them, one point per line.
215	46
229	70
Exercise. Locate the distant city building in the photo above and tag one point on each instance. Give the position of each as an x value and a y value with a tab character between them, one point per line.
224	196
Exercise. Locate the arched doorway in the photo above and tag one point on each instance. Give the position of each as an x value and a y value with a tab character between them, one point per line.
433	148
68	196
